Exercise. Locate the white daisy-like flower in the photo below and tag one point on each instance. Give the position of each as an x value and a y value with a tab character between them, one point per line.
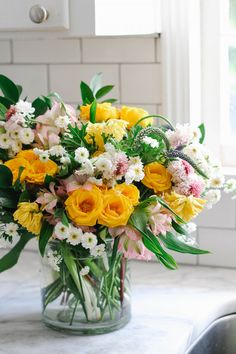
10	229
89	240
136	171
57	150
212	197
61	231
26	136
54	260
98	251
81	155
230	186
25	108
103	164
129	176
65	160
44	156
151	142
5	141
16	146
75	236
86	169
135	161
62	122
15	134
110	148
217	181
84	271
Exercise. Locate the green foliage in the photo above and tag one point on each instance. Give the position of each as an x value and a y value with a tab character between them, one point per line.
6	177
9	89
45	235
11	258
6	102
178	228
40	106
96	83
203	133
8	198
103	91
93	109
3	111
86	93
20	89
52	291
166	206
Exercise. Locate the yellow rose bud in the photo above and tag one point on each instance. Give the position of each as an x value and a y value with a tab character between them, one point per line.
186	207
84	206
104	112
116	209
133	114
157	177
130	191
29	216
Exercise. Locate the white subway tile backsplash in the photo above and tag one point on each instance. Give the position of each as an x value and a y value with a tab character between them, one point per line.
47	51
5	52
65	79
33	78
141	83
221	244
118	50
222	214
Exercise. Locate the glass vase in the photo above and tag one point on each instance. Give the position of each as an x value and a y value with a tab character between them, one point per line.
85	295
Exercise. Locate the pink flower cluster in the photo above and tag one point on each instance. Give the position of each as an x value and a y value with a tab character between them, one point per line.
159	219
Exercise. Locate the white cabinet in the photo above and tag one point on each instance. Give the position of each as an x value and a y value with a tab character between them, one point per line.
69	18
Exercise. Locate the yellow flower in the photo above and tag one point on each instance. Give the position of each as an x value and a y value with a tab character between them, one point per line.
84	206
156	177
94	134
133	114
186	207
130	191
34	171
104	112
29	216
116	209
116	128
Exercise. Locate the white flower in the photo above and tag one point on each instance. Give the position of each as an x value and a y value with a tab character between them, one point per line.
25	108
75	236
86	169
5	141
89	240
54	260
84	271
136	172
190	227
212	197
135	161
98	251
44	156
151	142
26	136
230	186
14	134
129	176
5	242
110	148
62	122
57	150
103	164
81	155
61	231
16	146
11	229
217	181
65	160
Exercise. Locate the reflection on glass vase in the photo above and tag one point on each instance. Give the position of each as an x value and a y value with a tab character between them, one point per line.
85	295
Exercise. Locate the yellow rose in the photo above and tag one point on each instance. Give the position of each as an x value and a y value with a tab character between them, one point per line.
157	177
186	207
34	171
116	128
130	191
133	114
94	134
15	164
84	206
29	216
104	112
116	209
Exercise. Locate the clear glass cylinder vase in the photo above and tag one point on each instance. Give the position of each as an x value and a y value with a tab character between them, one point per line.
85	295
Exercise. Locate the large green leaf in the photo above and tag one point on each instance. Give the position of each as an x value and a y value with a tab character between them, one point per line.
3	111
8	198
9	89
40	106
96	83
6	102
174	244
103	91
93	109
19	88
6	177
11	258
86	93
202	130
179	228
45	235
139	219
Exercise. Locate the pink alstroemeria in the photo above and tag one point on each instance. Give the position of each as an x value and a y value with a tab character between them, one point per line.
159	219
48	200
75	182
130	243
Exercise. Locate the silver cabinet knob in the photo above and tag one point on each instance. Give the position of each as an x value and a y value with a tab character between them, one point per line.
38	14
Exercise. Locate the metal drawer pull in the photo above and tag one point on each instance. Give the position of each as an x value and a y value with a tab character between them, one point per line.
38	14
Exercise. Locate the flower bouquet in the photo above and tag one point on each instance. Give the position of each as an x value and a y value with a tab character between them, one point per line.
96	186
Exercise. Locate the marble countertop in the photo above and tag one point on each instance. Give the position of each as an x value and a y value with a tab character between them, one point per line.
170	309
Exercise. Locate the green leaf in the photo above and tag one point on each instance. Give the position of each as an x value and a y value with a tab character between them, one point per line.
3	111
203	132
19	88
110	100
86	93
24	197
45	235
40	107
179	228
174	244
52	291
93	109
178	218
103	91
11	258
48	101
6	102
8	198
6	177
65	220
96	83
9	89
139	219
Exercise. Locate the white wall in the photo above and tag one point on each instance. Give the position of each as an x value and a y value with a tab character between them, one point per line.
134	66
